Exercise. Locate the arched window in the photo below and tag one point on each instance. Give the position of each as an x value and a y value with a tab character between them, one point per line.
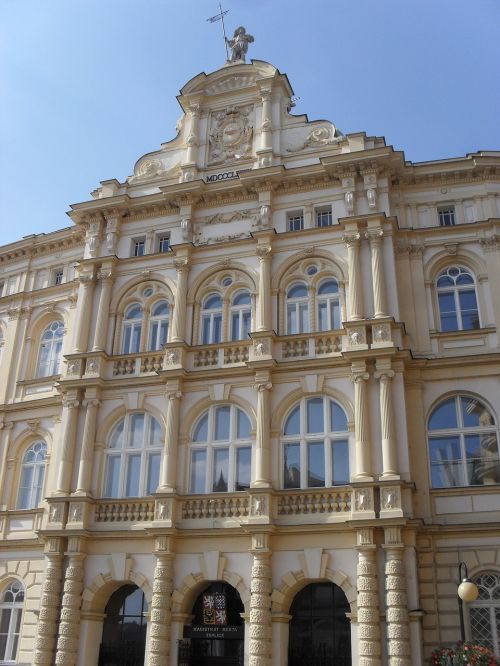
132	328
315	445
457	300
158	325
463	444
211	319
124	628
49	357
328	304
297	309
484	613
11	611
32	476
221	451
241	315
133	456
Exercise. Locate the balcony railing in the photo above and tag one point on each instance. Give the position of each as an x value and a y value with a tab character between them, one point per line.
124	511
311	345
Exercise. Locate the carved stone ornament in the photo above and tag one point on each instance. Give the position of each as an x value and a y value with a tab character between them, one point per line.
371	195
230	135
163	509
349	201
357	336
75	512
186	228
55	515
258	506
92	366
319	136
172	357
390	498
148	168
381	333
74	367
362	500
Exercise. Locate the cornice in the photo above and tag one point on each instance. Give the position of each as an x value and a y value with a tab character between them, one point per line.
41	245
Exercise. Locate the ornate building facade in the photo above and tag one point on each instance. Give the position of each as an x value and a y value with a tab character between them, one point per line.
249	400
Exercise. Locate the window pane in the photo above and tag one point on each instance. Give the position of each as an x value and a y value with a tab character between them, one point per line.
235	326
446	462
213	302
315	420
217	328
38	484
220	471
329	287
201	431
338	419
444	416
111	486
153	342
206	330
243	463
243	425
323	316
246	324
126	340
154	432
116	439
335	314
163	334
304	318
474	414
291	320
292	424
291	461
315	464
133	476
297	291
136	339
222	423
470	321
153	473
243	298
136	431
340	462
198	469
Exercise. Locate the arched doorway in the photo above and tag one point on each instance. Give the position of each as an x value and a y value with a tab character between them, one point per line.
215	636
124	628
320	632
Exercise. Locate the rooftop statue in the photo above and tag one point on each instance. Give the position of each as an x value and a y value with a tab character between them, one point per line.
239	44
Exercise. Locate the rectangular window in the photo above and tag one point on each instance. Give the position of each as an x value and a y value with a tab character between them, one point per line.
220	471
291	463
315	464
324	216
446	216
138	247
58	276
153	479
340	462
295	221
243	465
446	462
163	243
133	475
112	476
198	471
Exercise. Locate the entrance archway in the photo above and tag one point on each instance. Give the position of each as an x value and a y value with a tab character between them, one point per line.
124	628
320	632
216	635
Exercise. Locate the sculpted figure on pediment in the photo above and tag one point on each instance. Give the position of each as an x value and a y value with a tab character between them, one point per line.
230	135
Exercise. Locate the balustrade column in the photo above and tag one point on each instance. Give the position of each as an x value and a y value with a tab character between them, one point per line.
260	603
266	126
264	305
389	452
368	600
46	631
398	632
91	403
378	277
70	420
69	625
168	474
160	622
361	425
352	242
84	312
179	313
101	326
262	447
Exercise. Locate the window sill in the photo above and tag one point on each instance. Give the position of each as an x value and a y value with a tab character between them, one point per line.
473	341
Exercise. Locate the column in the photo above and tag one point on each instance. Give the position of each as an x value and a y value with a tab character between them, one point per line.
361	423
160	622
101	326
389	451
84	312
378	277
69	625
264	322
179	313
168	474
267	123
46	632
368	600
67	444
262	449
398	634
260	602
91	404
5	435
355	286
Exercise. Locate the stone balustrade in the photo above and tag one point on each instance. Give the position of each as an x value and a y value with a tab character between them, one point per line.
235	505
137	364
309	502
124	511
311	345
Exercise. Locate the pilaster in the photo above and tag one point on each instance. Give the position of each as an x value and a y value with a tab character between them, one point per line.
260	602
398	633
368	599
161	617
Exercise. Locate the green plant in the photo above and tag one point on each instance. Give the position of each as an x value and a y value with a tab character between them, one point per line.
469	653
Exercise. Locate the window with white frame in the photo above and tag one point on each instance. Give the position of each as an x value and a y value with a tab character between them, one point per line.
221	451
446	216
49	355
163	243
484	613
138	247
158	325
11	612
463	444
297	308
315	445
58	276
295	221
328	305
32	476
241	315
211	319
323	216
133	457
457	300
132	329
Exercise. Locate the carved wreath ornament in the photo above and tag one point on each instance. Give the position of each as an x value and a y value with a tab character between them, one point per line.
230	135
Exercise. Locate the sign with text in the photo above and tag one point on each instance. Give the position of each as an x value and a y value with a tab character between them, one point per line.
226	175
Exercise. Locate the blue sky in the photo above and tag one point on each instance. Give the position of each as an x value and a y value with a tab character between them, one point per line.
87	86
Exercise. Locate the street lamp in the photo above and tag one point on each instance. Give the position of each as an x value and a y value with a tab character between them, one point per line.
467	591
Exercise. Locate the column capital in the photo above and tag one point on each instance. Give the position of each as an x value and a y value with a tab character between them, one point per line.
374	236
352	239
357	377
91	402
70	402
173	394
263	252
384	375
182	264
